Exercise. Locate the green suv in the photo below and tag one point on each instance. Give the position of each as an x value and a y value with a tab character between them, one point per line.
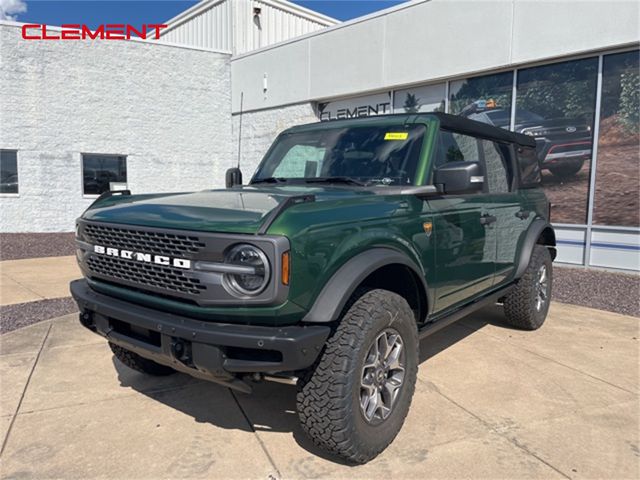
353	240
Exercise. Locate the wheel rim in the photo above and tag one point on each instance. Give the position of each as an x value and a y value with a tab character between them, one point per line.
382	376
542	288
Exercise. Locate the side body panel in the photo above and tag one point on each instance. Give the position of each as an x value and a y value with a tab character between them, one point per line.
509	229
465	250
326	235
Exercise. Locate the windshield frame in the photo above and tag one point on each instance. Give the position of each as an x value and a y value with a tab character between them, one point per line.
380	122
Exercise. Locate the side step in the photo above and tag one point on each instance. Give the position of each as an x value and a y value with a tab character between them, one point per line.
438	324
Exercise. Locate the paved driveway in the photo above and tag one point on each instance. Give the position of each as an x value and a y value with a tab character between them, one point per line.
34	279
490	402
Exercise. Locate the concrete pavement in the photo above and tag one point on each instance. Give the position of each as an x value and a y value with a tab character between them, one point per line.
35	279
491	402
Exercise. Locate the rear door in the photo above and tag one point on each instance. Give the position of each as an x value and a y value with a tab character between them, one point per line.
465	245
503	203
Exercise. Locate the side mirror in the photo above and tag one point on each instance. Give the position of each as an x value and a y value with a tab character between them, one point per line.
459	177
233	177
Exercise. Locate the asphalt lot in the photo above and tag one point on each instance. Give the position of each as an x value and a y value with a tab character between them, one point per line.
491	402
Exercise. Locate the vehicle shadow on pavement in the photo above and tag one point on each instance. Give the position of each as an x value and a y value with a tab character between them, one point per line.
452	334
271	408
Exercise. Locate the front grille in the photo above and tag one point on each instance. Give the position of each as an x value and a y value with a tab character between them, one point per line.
145	274
160	243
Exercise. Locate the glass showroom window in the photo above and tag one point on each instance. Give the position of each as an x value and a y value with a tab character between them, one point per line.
485	99
555	104
617	198
8	171
101	173
425	98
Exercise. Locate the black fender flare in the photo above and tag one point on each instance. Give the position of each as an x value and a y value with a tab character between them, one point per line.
336	292
531	238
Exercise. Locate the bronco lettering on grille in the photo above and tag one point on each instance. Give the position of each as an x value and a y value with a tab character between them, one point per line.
143	257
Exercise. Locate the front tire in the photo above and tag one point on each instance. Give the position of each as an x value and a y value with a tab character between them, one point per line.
354	402
527	305
567	170
138	363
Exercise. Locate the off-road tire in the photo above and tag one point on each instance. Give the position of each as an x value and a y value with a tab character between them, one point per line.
520	304
328	399
138	363
564	171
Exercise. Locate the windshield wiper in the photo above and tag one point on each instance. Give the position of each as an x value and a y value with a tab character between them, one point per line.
346	180
270	180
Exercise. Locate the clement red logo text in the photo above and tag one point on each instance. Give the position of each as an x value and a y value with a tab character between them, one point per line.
115	31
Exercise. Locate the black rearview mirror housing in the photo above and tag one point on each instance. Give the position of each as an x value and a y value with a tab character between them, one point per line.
233	177
459	177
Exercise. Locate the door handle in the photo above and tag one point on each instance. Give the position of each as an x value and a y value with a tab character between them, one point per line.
487	219
523	214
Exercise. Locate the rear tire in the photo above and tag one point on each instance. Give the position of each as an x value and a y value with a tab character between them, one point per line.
138	363
354	402
527	305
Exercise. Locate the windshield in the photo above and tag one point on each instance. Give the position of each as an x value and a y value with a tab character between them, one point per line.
367	155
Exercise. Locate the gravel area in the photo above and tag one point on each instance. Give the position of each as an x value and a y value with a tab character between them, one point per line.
604	290
20	315
14	246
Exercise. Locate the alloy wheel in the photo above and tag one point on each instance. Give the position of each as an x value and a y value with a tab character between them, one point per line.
382	376
542	287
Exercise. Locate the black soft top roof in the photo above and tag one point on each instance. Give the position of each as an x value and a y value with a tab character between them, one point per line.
447	121
482	129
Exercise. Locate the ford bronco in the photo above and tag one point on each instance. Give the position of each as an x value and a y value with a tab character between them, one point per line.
353	240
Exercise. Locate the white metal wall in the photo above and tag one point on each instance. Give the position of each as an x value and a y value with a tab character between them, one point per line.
428	40
232	25
210	28
276	24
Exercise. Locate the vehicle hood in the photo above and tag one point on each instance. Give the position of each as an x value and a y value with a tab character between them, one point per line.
237	210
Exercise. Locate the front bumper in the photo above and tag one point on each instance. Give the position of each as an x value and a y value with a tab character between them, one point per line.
563	151
214	351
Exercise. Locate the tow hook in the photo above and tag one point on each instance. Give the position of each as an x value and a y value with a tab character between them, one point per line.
181	351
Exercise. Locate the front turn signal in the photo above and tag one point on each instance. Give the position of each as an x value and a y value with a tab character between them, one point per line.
286	266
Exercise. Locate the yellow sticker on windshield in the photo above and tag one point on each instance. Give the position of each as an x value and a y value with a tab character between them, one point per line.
396	135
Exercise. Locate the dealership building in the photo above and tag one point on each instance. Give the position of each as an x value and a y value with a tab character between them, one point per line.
80	117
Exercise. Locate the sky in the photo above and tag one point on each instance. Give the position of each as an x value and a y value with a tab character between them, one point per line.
138	12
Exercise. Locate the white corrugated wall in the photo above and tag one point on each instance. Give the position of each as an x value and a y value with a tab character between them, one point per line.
231	25
276	25
209	29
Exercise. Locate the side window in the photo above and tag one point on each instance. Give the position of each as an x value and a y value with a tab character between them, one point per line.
529	167
8	171
456	147
300	161
497	166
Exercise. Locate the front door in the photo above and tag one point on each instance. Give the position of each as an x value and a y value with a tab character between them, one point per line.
465	234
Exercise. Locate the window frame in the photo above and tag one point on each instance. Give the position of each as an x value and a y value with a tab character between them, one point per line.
110	155
511	183
515	176
11	194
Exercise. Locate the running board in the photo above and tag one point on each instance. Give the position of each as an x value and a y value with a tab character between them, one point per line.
437	325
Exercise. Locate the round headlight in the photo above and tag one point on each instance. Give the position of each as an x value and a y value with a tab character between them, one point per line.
257	273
